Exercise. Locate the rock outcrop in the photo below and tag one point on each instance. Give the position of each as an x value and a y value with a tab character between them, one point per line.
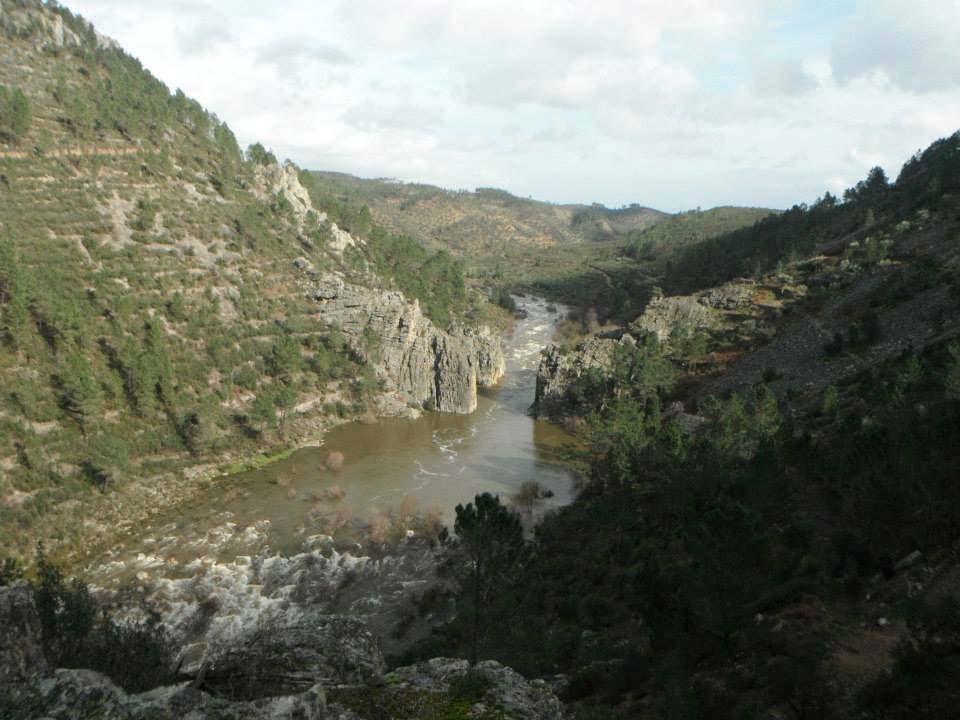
662	315
286	671
70	694
509	692
419	363
283	181
291	655
560	368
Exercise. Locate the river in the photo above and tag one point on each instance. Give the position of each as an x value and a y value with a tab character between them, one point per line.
251	537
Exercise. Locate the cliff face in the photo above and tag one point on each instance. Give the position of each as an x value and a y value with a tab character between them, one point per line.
419	363
559	369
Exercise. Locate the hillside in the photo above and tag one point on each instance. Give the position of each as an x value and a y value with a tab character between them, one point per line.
498	235
615	285
604	261
170	303
669	237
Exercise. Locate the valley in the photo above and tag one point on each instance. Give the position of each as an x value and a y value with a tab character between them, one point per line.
370	484
285	443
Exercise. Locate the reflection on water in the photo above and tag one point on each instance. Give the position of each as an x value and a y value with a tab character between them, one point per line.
395	467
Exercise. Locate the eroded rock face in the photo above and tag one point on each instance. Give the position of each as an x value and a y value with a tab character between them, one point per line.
293	654
418	362
663	314
559	369
272	181
21	653
73	694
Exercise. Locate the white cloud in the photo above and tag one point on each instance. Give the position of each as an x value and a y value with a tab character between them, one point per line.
674	105
784	77
913	45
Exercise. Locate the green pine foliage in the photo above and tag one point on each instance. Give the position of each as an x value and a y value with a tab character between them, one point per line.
646	590
16	114
928	181
77	633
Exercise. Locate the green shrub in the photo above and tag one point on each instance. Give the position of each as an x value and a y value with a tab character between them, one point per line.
16	113
77	633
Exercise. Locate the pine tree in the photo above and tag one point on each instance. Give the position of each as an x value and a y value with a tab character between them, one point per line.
492	539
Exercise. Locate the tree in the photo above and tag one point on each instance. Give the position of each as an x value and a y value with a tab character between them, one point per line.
641	371
871	190
688	343
952	380
491	537
259	155
284	399
108	456
14	303
285	359
737	428
263	412
79	390
15	113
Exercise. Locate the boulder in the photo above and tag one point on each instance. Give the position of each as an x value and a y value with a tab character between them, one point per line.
559	369
509	693
663	314
292	653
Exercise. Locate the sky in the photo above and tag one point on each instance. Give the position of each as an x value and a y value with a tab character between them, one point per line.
673	104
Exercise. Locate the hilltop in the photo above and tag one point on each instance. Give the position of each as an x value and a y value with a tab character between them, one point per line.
500	236
604	261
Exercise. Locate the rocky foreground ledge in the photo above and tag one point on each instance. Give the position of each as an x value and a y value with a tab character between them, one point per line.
330	669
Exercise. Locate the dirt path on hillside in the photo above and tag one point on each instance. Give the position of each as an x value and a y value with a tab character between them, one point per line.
67	152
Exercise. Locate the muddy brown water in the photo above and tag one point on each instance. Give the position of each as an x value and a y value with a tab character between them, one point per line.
390	469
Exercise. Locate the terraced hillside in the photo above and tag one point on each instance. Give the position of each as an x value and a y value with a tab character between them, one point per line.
667	238
157	301
499	235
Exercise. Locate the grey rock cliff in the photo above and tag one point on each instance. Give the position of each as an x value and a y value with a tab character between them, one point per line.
559	369
72	694
294	653
418	362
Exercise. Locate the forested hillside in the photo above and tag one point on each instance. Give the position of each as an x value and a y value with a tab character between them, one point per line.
502	238
771	526
867	217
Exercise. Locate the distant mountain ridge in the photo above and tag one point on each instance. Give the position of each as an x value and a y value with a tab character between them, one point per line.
474	221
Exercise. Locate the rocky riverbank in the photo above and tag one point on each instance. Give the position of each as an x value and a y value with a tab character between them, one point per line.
295	665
